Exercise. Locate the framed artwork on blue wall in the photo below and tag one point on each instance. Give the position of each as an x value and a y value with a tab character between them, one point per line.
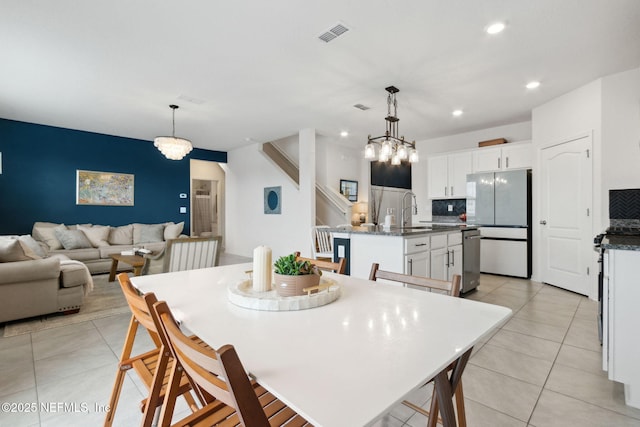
104	188
273	200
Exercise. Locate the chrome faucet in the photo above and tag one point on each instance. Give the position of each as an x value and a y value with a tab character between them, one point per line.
404	222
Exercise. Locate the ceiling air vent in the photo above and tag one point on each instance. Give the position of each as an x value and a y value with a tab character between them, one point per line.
337	30
361	107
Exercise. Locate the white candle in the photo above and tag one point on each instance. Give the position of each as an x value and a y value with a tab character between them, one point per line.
262	269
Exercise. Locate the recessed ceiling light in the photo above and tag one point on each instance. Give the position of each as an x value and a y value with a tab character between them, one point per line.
533	85
457	113
495	28
344	133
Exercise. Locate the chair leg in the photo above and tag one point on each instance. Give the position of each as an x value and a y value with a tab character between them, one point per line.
462	417
115	397
433	411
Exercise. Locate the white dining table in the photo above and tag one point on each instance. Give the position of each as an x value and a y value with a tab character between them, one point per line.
347	363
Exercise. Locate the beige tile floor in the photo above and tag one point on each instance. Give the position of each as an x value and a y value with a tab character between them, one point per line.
542	368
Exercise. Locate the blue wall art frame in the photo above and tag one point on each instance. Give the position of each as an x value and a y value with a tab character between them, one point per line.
273	200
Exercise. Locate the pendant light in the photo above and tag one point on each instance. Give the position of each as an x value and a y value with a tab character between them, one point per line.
173	148
392	147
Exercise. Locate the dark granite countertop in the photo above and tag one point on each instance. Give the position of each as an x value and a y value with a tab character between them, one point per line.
403	232
625	243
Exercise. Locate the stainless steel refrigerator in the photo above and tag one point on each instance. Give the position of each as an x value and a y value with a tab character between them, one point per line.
500	204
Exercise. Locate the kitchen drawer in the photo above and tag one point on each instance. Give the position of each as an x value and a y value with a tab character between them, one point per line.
416	244
454	238
438	241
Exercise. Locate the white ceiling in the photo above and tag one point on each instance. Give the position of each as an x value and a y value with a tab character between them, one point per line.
245	71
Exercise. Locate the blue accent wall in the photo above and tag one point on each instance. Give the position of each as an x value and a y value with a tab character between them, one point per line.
38	180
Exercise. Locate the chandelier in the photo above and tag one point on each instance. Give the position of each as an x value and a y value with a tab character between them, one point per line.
391	146
173	148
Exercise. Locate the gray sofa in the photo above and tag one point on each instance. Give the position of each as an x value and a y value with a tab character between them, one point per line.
101	241
32	286
49	271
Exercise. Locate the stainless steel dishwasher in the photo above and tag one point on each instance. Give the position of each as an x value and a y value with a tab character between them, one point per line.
470	259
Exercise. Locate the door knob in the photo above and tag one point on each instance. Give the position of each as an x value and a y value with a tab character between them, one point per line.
543	222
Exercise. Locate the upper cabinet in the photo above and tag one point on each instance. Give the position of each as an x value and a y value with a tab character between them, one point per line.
447	175
503	157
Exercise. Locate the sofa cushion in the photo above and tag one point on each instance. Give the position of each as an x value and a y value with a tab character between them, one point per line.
146	233
33	245
86	254
72	275
72	239
172	231
45	232
12	250
122	235
98	235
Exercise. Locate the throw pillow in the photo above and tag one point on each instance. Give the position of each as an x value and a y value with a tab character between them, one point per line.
33	245
121	235
98	235
12	250
149	233
72	239
44	232
172	231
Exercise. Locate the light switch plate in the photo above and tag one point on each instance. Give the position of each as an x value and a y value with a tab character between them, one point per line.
341	251
183	209
450	208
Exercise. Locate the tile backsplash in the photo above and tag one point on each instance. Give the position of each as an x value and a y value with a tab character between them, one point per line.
441	207
624	208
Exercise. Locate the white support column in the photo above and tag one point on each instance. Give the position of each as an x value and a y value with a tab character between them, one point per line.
307	168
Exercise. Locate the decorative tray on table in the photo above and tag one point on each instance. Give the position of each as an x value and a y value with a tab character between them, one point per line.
243	295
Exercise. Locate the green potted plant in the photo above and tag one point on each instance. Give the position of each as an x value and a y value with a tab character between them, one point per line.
292	276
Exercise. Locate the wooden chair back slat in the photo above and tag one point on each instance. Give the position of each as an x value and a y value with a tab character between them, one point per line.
336	267
451	288
139	307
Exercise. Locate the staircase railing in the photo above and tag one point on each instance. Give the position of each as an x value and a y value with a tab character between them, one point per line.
332	208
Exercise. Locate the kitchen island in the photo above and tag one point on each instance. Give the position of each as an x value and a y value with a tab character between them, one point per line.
429	250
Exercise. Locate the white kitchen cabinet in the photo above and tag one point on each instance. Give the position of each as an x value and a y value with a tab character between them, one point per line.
416	256
455	261
507	156
620	344
417	264
446	255
447	175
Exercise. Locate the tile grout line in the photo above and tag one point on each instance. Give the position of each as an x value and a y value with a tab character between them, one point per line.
35	377
552	365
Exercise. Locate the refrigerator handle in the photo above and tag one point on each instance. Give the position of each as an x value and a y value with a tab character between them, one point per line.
453	259
499	162
410	267
447	264
507	163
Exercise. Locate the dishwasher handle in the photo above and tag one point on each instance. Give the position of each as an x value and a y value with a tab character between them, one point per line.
473	237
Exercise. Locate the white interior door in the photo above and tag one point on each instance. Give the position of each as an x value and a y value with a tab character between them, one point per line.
566	198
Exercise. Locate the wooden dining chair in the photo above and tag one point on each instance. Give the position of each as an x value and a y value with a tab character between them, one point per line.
221	383
153	366
451	288
336	267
